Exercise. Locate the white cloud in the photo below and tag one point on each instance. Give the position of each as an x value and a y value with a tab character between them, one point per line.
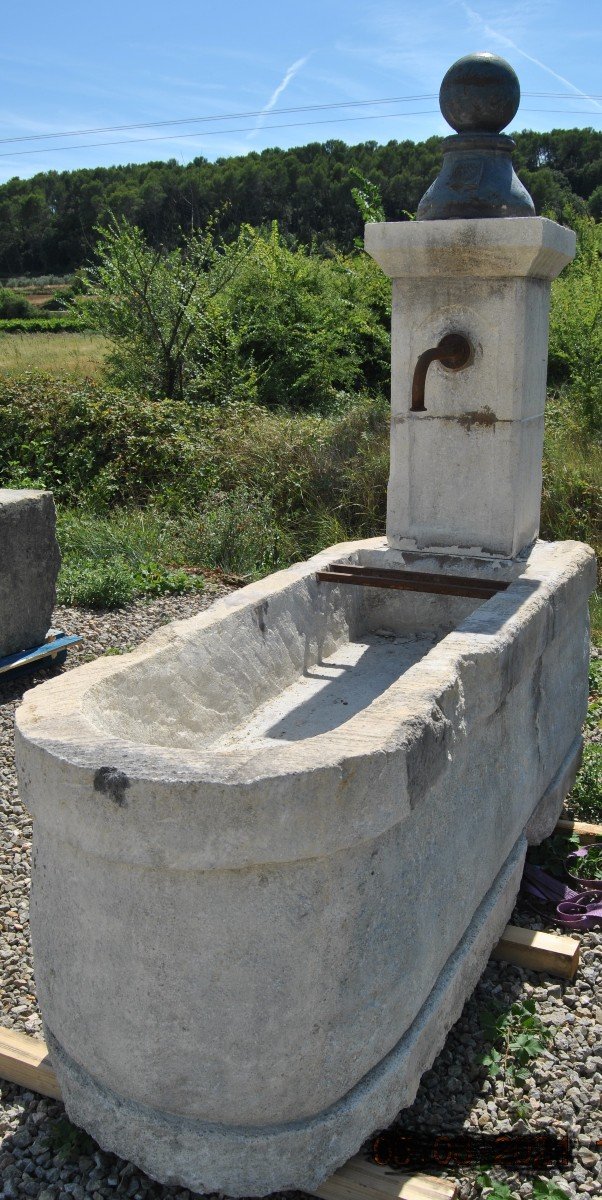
510	44
284	82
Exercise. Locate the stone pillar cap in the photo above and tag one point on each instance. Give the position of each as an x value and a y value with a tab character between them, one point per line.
496	248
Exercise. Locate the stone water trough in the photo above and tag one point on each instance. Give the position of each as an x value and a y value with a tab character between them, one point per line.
275	845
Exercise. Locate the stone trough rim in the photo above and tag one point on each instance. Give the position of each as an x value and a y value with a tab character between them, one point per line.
156	806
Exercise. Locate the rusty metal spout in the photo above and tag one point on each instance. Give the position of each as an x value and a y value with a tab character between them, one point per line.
453	352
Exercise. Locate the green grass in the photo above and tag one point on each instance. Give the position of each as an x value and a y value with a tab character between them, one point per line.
110	560
571	499
585	800
76	354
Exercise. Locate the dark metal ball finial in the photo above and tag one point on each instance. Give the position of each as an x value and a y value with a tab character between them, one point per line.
480	94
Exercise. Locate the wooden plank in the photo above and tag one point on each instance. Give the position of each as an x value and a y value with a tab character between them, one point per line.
360	1180
584	831
25	1060
553	953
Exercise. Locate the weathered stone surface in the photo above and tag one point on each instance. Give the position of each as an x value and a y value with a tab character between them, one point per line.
256	1160
29	565
544	818
466	472
261	838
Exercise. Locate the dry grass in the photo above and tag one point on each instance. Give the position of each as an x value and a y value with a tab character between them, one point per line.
40	297
78	354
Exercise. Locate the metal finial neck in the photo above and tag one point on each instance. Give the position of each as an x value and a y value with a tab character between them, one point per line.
479	95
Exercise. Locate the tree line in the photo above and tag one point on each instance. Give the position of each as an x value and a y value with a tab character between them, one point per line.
48	223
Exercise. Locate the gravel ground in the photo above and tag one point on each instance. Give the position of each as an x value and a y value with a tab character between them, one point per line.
40	1156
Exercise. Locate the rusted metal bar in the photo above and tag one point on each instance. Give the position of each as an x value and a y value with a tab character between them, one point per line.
424	584
471	581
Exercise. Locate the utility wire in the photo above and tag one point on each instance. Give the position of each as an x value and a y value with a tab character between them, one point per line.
168	137
237	116
171	137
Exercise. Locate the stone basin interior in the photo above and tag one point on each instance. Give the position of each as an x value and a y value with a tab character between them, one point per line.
297	665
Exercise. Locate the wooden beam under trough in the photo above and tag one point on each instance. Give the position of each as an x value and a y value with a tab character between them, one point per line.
363	1180
553	953
25	1060
582	829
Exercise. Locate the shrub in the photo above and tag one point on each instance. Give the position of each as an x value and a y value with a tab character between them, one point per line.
57	303
311	328
255	319
12	305
101	446
158	308
575	354
37	324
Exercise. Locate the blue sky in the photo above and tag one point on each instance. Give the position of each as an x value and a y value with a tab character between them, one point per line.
69	65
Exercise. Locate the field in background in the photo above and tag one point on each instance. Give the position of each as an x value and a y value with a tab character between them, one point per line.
78	354
38	289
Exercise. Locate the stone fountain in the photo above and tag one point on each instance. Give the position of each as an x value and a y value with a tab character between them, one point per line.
274	846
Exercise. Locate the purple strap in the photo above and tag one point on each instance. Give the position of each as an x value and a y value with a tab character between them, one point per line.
577	909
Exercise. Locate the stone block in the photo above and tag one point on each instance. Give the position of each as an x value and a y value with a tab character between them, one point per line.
29	566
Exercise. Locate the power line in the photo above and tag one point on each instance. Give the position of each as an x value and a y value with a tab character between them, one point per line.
166	137
561	96
251	129
237	116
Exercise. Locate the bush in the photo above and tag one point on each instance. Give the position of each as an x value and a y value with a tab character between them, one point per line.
309	327
575	354
36	324
255	319
57	303
158	308
12	305
99	446
37	282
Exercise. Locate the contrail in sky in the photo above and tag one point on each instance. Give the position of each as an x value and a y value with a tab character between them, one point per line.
284	82
509	44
